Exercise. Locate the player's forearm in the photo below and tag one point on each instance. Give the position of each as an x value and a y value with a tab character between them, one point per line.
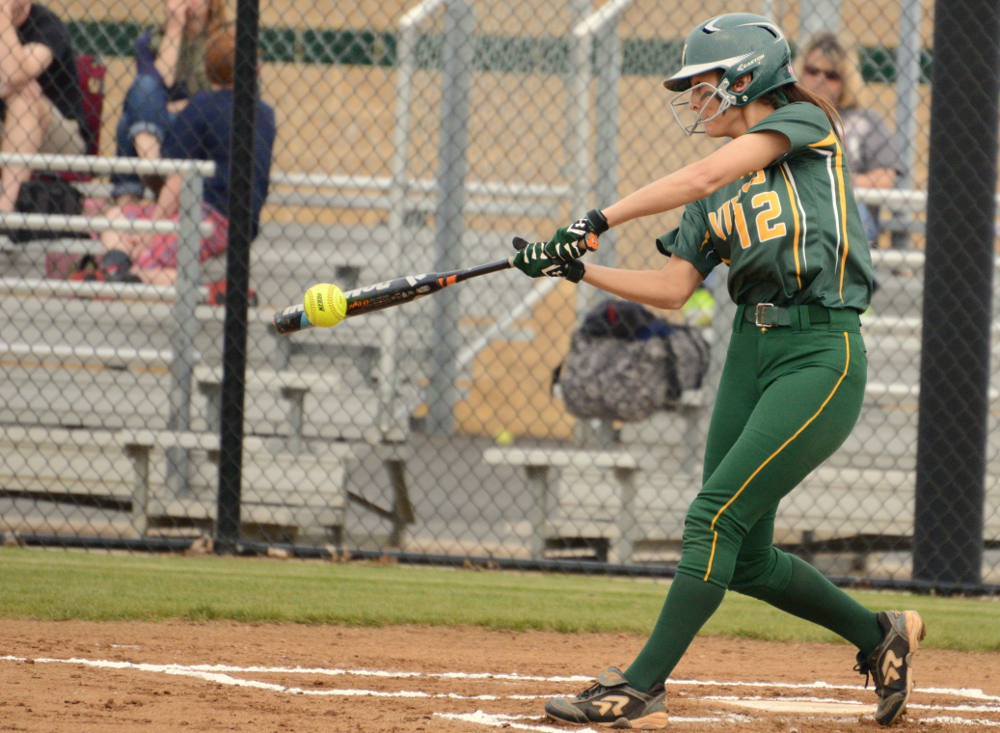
735	159
656	288
670	192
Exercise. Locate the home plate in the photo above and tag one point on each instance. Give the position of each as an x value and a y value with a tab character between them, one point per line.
810	707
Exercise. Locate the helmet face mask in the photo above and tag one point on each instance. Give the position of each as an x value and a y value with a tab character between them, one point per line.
691	120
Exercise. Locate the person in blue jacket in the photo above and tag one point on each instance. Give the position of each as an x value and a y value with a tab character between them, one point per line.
201	131
170	69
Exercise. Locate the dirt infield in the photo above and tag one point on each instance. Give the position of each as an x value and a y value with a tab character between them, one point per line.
219	676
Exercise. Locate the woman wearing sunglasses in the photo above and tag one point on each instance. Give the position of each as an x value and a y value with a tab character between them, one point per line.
828	70
775	204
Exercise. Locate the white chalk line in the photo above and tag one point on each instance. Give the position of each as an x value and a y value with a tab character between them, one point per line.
499	720
968	692
215	673
971	693
335	672
909	705
951	720
226	679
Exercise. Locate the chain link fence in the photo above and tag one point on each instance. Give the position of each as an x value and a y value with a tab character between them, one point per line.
414	138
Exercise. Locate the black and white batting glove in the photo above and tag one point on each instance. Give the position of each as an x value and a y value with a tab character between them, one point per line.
572	242
534	261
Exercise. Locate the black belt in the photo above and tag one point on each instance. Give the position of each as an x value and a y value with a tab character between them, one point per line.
766	315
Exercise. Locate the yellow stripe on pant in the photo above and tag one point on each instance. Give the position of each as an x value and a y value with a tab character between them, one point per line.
777	384
715	538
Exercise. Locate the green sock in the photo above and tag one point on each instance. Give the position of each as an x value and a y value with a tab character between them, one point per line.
812	597
690	603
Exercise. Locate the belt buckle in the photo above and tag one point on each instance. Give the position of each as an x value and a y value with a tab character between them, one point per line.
760	315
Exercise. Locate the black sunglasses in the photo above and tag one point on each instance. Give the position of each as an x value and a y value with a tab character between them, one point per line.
830	75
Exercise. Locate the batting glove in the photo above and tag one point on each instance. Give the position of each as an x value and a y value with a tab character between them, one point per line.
534	261
570	243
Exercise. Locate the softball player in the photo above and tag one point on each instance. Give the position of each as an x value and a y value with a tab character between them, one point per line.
775	204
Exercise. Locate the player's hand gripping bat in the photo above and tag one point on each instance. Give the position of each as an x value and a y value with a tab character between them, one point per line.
328	306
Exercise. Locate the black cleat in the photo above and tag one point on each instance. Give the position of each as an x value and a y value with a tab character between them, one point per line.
613	702
891	664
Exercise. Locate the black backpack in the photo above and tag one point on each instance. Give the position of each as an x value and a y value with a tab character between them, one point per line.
47	196
624	363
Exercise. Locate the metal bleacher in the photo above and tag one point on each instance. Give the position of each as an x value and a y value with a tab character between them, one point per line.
75	360
89	358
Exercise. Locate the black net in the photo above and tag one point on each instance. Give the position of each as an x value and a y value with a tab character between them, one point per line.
393	139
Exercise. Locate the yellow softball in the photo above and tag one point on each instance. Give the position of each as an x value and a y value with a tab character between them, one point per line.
325	305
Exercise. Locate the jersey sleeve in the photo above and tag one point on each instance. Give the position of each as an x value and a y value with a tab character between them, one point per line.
804	124
690	241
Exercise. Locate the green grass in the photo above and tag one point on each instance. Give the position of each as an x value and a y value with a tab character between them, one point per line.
56	585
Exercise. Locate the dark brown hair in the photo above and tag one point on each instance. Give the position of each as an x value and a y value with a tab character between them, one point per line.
220	57
795	92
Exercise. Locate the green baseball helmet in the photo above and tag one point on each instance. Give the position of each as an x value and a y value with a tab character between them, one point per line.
736	44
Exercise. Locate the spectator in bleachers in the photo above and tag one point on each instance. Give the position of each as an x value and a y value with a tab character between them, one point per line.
201	131
42	100
827	68
170	69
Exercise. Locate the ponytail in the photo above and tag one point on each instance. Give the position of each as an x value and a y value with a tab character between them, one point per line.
795	92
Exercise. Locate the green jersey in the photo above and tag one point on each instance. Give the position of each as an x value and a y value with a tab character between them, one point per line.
790	233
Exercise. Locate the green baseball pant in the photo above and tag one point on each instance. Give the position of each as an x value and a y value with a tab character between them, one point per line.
788	398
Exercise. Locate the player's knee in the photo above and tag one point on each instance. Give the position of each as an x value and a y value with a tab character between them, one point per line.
698	522
760	572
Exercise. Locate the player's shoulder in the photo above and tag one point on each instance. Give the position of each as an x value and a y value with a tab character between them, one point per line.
804	124
800	112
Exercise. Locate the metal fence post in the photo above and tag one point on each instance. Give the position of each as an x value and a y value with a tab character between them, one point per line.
456	80
607	60
185	327
391	412
234	353
596	36
958	289
908	98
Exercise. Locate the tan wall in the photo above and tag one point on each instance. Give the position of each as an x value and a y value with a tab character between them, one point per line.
512	380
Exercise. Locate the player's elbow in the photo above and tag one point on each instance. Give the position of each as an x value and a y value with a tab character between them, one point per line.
671	301
671	295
